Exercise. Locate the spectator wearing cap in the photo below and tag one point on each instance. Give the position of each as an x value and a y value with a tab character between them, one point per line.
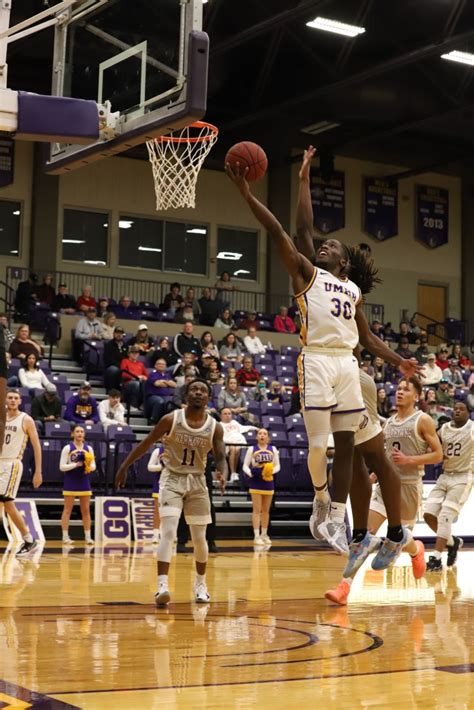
210	308
111	410
248	376
159	384
114	352
89	327
86	300
81	408
403	348
102	306
186	342
108	325
63	302
142	340
206	359
443	357
431	372
125	308
453	374
283	323
421	353
252	342
46	292
250	321
173	300
443	396
46	407
31	375
225	320
165	352
134	375
377	329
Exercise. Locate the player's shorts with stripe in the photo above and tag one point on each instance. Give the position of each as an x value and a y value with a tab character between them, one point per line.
411	499
329	379
10	478
186	492
367	429
450	491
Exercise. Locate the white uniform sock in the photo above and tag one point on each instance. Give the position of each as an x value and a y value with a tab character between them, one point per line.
436	554
256	532
337	512
28	537
163	579
264	531
450	540
87	535
200	578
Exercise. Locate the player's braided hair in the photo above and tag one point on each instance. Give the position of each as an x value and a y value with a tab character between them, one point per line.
362	271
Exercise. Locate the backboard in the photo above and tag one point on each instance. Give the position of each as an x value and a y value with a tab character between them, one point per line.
144	61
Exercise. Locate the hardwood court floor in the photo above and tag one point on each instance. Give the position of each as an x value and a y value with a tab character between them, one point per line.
80	628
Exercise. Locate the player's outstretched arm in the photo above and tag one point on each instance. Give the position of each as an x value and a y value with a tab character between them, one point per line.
304	209
163	427
32	432
427	431
298	267
218	449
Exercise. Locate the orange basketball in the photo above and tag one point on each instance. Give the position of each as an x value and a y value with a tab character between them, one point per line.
248	155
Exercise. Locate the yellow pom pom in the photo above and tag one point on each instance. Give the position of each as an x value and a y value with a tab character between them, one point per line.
88	461
267	472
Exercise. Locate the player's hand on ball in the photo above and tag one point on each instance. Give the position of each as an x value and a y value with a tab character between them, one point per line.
121	478
37	479
238	177
306	164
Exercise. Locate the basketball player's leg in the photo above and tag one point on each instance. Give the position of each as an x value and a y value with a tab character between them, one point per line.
85	505
66	516
256	516
156	521
197	510
441	510
265	518
16	518
172	492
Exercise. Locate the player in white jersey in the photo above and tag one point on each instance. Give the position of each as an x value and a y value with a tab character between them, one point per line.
187	435
19	427
453	487
3	386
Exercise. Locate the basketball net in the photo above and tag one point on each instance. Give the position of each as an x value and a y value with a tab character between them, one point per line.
176	160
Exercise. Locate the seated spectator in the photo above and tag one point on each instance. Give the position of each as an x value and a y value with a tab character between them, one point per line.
377	329
186	342
277	392
125	309
453	374
102	306
210	308
46	293
111	410
134	374
142	340
405	333
231	350
403	348
295	402
208	345
470	398
213	375
283	323
366	365
23	345
225	320
114	352
173	300
388	332
46	407
179	395
224	289
252	342
108	325
443	396
159	384
428	399
431	372
234	439
188	362
26	297
89	327
63	302
230	396
383	404
164	352
81	408
443	357
259	392
186	315
250	321
463	358
206	360
190	301
421	353
414	328
7	333
248	376
30	375
86	300
380	370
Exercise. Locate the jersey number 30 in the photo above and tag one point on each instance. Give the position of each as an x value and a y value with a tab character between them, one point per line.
343	309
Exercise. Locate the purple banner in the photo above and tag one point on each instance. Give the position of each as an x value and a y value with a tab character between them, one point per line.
380	208
432	216
7	161
328	199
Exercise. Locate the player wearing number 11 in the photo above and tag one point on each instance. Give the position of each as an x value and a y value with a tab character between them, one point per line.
187	435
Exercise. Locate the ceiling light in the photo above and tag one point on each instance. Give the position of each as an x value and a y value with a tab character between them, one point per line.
461	57
339	28
15	251
105	225
140	248
320	127
229	255
241	271
95	263
16	213
125	224
74	241
196	230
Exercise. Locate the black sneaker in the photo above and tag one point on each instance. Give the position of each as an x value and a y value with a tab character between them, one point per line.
212	547
434	565
26	548
453	550
180	547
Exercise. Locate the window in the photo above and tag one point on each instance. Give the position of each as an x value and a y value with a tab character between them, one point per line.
141	242
186	247
10	216
85	236
237	253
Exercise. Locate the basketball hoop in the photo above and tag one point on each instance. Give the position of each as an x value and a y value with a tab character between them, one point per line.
176	160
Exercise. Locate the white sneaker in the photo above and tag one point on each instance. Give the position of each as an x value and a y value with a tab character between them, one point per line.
335	534
162	597
258	540
90	541
318	516
266	540
67	540
155	540
201	595
234	478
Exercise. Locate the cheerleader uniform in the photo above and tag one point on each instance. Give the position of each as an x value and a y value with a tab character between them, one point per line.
255	459
155	465
76	481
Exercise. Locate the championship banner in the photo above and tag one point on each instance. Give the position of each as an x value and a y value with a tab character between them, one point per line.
7	161
380	208
112	520
328	200
142	518
432	213
29	513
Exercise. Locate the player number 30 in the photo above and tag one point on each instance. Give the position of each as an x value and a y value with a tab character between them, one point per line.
341	308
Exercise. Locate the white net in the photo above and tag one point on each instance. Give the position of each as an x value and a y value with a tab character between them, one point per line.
176	160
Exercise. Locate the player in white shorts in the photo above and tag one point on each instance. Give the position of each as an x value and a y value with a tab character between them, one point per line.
19	427
453	487
187	436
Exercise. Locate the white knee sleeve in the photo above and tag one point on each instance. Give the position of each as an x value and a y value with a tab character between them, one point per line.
445	522
317	464
198	535
168	530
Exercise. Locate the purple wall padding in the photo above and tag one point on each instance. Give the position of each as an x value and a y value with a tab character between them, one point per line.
56	118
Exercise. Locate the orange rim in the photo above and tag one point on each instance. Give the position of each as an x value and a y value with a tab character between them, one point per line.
213	131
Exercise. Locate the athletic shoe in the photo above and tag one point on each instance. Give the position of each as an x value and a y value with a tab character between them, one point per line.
258	541
266	540
26	548
89	542
201	595
453	550
318	516
434	564
155	540
234	478
340	594
68	541
162	597
335	534
389	551
213	547
418	561
358	553
180	547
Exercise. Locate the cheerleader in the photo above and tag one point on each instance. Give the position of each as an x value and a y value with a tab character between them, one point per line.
77	463
261	463
155	465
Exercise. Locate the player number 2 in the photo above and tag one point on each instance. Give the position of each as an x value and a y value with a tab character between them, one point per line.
344	309
185	461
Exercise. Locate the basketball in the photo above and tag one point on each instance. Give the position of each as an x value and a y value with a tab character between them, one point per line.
248	155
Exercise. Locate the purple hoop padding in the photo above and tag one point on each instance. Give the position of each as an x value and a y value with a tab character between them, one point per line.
56	118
